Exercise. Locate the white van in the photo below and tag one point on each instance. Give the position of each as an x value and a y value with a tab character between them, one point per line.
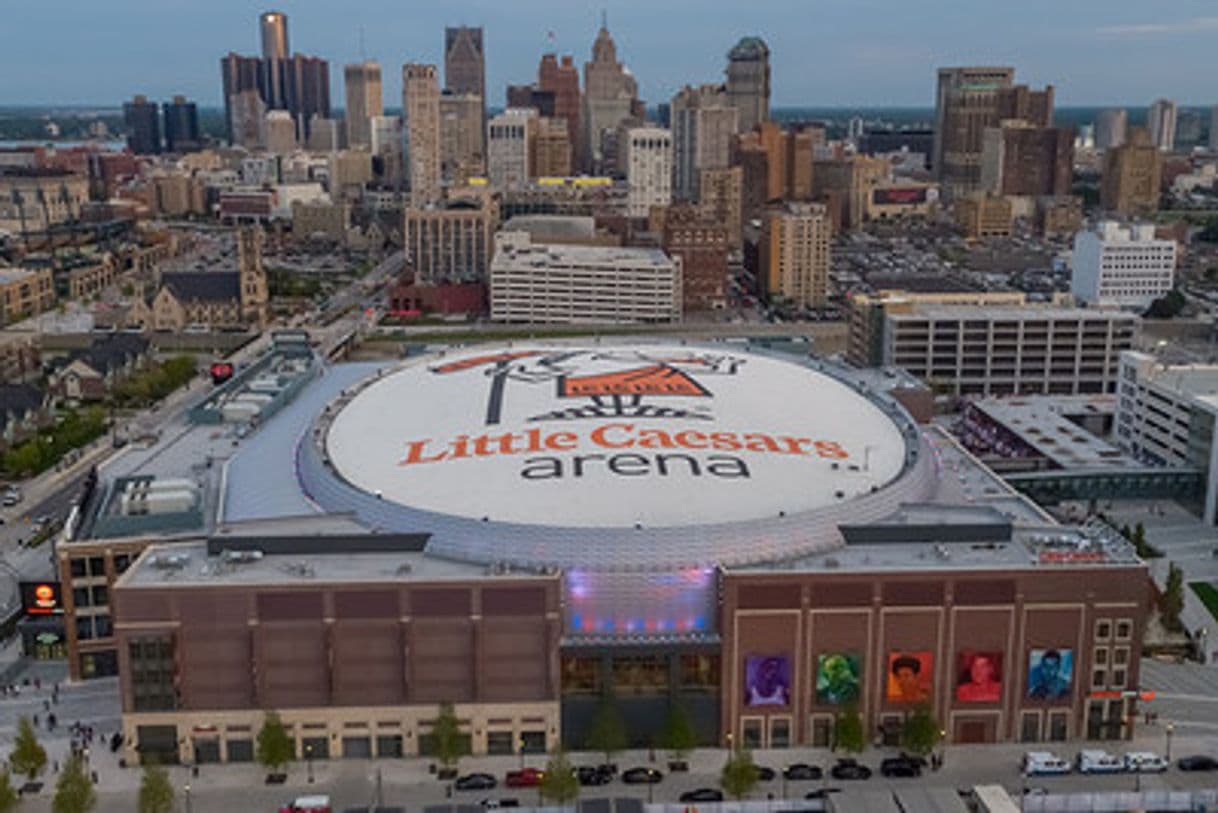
1039	763
1145	762
1096	761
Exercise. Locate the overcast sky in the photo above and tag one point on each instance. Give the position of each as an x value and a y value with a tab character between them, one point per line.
825	52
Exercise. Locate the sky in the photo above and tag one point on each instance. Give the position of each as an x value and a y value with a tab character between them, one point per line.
825	53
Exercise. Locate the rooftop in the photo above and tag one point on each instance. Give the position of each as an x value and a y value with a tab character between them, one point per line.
1015	314
1049	424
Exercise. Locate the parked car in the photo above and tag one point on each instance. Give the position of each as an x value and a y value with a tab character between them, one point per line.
900	766
476	781
1145	762
308	804
802	772
821	793
1197	762
1040	763
589	775
765	773
702	795
1096	761
850	769
641	776
524	778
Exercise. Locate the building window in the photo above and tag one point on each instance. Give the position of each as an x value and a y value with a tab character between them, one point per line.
1059	726
640	675
1029	727
1124	629
499	742
80	597
97	566
122	561
1103	629
822	731
77	567
152	674
1120	655
780	732
1101	656
1118	678
581	675
699	673
751	732
101	596
1098	677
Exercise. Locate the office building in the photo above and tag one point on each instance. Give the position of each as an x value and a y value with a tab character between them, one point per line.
551	149
720	198
451	243
510	136
273	26
142	121
421	109
649	169
748	82
567	284
240	74
325	135
848	184
1161	122
247	119
1122	266
793	254
1110	128
701	243
1214	129
1060	216
560	80
350	171
610	97
364	101
531	96
465	61
280	132
1132	174
980	216
33	199
181	125
308	90
1019	159
462	136
1166	416
777	164
704	124
968	101
1008	350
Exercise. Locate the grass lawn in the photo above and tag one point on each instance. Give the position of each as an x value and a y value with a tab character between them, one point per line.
1208	595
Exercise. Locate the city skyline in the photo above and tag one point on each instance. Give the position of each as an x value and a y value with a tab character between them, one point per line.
878	58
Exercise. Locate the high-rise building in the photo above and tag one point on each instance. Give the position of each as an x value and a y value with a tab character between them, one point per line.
451	244
280	132
701	242
1110	127
1121	266
551	149
325	134
363	100
720	198
247	119
465	61
793	255
421	106
649	169
274	28
239	74
273	70
1132	174
704	123
307	88
1161	122
1214	129
561	78
386	147
1022	160
968	101
1188	129
508	147
531	96
610	97
181	125
847	183
748	81
777	163
462	152
143	123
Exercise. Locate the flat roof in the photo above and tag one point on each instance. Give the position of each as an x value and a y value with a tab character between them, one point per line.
1044	423
1011	313
546	253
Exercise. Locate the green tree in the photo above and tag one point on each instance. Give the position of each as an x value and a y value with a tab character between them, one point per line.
848	731
28	758
559	783
1171	602
608	731
275	748
8	794
678	736
156	793
74	792
921	732
739	775
449	744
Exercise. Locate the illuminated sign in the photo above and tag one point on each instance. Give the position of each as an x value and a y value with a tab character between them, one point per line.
617	436
41	598
221	371
900	195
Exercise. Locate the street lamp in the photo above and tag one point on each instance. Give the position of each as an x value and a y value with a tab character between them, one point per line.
186	792
309	760
1171	729
522	752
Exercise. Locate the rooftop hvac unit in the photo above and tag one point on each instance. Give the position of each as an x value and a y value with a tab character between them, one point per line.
169	561
241	556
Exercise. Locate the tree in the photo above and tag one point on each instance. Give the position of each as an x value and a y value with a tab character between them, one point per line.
921	732
28	757
1171	603
559	784
275	748
8	794
156	793
74	791
739	775
678	736
848	731
608	731
450	746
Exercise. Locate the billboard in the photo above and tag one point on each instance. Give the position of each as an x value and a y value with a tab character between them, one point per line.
1050	673
41	598
979	677
838	675
911	676
901	195
767	680
221	371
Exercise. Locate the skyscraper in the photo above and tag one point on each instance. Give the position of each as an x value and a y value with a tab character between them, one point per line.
462	154
703	126
143	124
274	28
1110	127
308	90
239	74
1214	129
1132	173
648	169
421	106
363	86
561	78
748	81
610	97
1022	160
181	125
1161	121
793	254
465	61
508	147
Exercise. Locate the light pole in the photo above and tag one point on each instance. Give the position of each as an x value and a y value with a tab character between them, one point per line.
1171	729
522	752
186	794
942	747
309	760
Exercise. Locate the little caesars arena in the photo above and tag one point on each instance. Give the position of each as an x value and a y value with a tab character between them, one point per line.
527	531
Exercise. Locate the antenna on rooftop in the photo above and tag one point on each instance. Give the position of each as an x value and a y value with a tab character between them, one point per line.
363	57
